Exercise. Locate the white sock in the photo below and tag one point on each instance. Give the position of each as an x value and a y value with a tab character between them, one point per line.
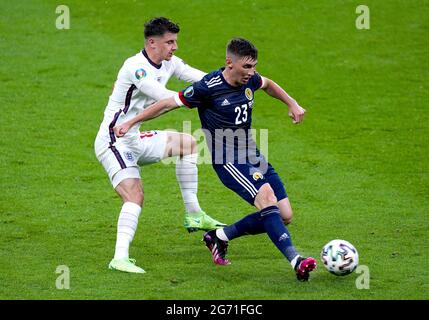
294	260
221	234
127	225
187	176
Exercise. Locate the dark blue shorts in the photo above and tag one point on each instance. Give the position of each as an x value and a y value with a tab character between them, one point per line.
246	179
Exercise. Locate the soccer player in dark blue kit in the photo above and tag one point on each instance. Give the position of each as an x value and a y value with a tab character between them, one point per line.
225	100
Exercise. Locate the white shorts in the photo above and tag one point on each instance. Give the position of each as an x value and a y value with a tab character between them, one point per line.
122	160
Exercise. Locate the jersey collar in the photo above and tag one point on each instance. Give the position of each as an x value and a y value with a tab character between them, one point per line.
158	66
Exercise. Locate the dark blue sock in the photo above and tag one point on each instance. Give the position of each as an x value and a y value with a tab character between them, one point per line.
277	231
250	224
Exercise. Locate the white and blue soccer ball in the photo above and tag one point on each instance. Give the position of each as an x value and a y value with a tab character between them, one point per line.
339	257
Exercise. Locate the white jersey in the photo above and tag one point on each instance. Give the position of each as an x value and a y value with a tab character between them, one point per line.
140	83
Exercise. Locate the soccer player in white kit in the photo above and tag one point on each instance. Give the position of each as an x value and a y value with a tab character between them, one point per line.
141	81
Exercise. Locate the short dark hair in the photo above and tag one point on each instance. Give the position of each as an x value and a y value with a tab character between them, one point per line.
242	48
159	26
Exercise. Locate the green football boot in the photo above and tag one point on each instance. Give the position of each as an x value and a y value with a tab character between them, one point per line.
201	221
125	265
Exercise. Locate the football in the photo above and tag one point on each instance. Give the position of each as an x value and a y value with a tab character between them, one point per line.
339	257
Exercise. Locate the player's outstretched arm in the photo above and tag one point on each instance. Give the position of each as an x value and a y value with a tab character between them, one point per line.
153	111
296	112
185	72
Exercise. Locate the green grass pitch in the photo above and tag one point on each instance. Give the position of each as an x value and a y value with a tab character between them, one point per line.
357	168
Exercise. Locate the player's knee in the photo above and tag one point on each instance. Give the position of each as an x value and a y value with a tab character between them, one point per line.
271	200
132	193
193	143
138	193
138	196
269	195
286	214
287	220
266	197
189	144
182	144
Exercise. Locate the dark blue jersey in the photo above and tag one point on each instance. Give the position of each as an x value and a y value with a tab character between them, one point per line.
225	112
